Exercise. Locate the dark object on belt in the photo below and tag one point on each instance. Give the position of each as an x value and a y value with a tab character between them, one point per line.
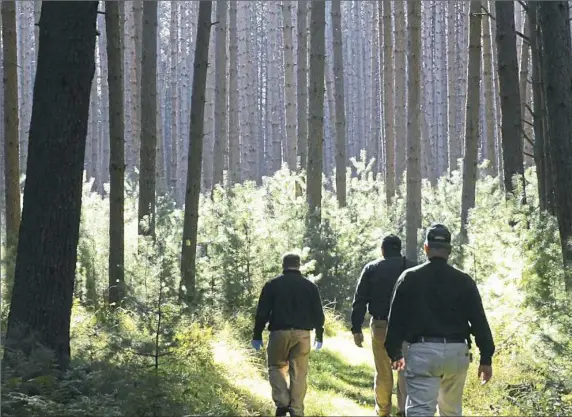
430	339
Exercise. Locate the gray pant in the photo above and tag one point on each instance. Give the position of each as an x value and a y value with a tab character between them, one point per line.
435	374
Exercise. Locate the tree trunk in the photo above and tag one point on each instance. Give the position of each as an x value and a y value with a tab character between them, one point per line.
47	249
316	106
513	161
490	146
289	86
302	84
137	116
523	88
220	127
470	159
338	69
11	137
174	98
557	46
540	156
234	167
413	204
451	86
401	109
147	180
114	31
388	92
103	105
190	224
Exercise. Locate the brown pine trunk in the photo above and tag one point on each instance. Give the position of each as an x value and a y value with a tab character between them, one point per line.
388	91
114	32
47	250
147	179
316	106
234	169
190	223
470	159
557	46
338	69
302	85
220	126
511	128
413	175
11	137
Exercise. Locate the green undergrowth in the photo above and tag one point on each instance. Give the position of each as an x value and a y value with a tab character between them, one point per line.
199	362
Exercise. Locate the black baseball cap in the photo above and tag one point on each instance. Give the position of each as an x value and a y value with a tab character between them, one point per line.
438	236
391	242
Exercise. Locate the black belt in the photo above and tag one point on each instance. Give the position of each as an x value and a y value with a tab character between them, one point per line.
379	318
430	339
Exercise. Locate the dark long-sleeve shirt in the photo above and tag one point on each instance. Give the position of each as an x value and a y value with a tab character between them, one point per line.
375	287
289	301
437	300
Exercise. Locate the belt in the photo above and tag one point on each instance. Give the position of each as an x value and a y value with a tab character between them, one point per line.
425	339
379	318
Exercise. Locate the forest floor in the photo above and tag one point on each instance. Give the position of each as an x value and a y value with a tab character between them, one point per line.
340	380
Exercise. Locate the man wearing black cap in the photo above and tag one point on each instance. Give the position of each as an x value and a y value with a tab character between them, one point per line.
293	307
434	308
373	293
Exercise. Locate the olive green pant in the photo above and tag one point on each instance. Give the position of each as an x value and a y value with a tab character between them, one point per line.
383	384
288	355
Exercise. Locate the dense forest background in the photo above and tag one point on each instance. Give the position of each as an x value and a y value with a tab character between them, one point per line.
159	157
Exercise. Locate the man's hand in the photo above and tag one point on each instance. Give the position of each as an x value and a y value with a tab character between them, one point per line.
358	339
317	345
398	365
485	373
256	344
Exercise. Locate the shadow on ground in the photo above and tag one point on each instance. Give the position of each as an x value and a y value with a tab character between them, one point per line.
330	372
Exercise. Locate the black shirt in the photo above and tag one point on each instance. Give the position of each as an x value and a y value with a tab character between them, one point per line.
289	301
375	287
437	300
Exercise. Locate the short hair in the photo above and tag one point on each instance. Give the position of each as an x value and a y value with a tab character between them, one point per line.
391	243
291	261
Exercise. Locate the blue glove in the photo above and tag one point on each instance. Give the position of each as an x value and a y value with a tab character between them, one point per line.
256	344
317	345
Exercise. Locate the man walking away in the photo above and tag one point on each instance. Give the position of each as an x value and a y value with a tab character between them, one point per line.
293	307
373	293
435	306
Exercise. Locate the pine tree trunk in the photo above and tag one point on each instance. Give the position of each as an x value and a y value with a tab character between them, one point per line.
137	116
523	89
557	45
289	86
104	105
302	84
316	107
233	99
388	92
220	127
190	224
117	154
47	250
11	137
401	111
413	176
338	69
541	161
147	180
208	145
490	135
510	96
470	159
452	162
174	98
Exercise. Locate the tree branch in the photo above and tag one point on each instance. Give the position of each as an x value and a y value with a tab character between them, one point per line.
527	122
487	12
528	139
524	5
525	38
529	155
529	109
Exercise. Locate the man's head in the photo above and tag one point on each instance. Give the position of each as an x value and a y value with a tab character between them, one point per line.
390	246
438	241
291	262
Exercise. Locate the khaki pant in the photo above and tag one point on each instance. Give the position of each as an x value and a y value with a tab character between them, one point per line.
436	374
288	354
383	385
